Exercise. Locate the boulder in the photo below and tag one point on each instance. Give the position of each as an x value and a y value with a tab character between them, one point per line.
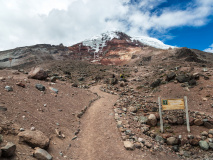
8	150
182	78
172	141
34	138
37	73
129	145
40	87
198	122
152	120
170	76
156	83
41	154
204	145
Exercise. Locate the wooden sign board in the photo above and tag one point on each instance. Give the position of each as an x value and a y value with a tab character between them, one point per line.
172	104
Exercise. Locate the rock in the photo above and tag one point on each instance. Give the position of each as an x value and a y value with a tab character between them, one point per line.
172	120
183	141
138	145
128	145
166	135
170	76
41	154
182	78
3	108
175	148
198	122
20	84
8	88
37	73
148	144
180	120
54	90
191	121
2	79
204	145
81	79
194	141
53	79
192	82
8	150
159	139
74	85
0	152
1	138
204	133
211	145
132	109
141	140
34	138
152	120
143	119
40	87
156	83
172	141
211	131
208	125
113	81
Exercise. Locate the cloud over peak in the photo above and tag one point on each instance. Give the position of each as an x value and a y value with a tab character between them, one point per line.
27	22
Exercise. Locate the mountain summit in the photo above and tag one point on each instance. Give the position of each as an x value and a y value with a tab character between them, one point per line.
110	48
98	42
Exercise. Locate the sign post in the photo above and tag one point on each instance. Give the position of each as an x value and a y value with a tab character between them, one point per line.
160	113
173	104
10	59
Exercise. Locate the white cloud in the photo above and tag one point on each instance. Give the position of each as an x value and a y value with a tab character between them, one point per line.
28	22
210	49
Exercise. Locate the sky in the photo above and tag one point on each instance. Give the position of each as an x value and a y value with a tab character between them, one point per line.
181	23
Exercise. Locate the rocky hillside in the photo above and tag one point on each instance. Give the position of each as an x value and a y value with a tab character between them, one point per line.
114	48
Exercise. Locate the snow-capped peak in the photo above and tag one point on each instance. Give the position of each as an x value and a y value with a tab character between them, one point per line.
153	42
98	42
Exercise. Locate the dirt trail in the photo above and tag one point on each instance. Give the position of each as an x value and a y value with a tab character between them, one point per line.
99	137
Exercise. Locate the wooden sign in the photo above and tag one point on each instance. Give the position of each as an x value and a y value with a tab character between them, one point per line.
172	104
